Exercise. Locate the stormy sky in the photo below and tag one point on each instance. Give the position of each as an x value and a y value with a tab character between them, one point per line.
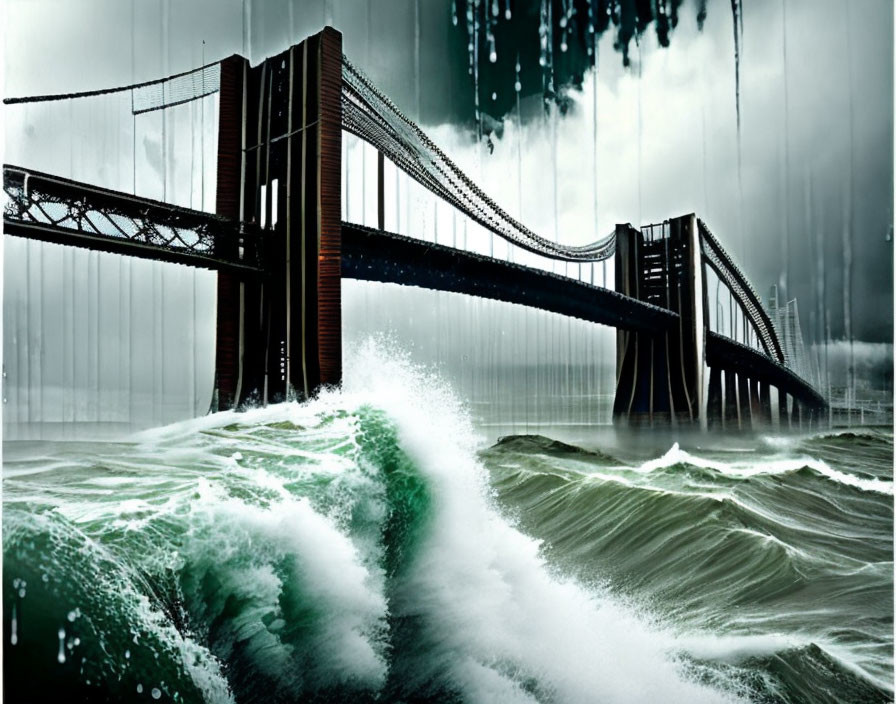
814	184
801	195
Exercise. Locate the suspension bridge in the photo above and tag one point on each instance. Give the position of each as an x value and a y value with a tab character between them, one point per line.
281	249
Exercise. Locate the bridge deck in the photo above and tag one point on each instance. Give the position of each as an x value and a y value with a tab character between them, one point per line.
725	353
374	255
55	209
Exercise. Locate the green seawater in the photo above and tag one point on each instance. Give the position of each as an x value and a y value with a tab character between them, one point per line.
348	550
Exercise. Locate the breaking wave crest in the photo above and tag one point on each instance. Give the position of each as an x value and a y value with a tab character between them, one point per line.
344	549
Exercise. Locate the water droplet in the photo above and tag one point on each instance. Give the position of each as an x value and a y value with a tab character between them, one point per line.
562	22
156	693
139	688
517	87
22	592
61	656
507	14
493	56
494	96
127	654
72	615
14	635
77	642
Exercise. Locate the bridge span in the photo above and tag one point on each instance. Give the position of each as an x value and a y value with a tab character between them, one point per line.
281	249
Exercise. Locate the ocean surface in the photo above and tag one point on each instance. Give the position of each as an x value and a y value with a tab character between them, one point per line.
372	546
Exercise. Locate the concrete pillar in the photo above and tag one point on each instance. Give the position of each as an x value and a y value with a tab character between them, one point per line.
732	420
765	404
783	415
714	400
743	402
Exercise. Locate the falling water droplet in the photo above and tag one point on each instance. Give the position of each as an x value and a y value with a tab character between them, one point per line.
61	656
507	14
127	654
563	46
493	56
72	615
156	693
139	688
14	630
517	86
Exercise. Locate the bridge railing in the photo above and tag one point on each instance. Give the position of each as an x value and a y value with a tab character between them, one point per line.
54	209
748	322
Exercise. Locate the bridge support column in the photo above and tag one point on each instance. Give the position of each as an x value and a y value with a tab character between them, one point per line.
765	403
660	375
809	416
714	399
747	420
755	410
732	416
279	171
783	415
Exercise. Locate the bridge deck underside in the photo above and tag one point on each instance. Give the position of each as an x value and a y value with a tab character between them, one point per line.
374	255
724	353
53	209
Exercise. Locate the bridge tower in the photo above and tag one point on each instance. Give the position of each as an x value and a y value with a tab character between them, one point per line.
660	375
279	173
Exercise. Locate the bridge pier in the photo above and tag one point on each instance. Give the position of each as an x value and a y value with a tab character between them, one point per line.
783	415
765	403
755	411
714	399
660	375
747	420
279	170
732	416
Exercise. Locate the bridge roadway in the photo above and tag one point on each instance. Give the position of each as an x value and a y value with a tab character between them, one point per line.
376	255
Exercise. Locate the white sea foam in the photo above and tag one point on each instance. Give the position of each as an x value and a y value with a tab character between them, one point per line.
495	610
744	470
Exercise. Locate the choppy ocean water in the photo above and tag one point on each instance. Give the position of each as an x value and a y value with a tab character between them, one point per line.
368	546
